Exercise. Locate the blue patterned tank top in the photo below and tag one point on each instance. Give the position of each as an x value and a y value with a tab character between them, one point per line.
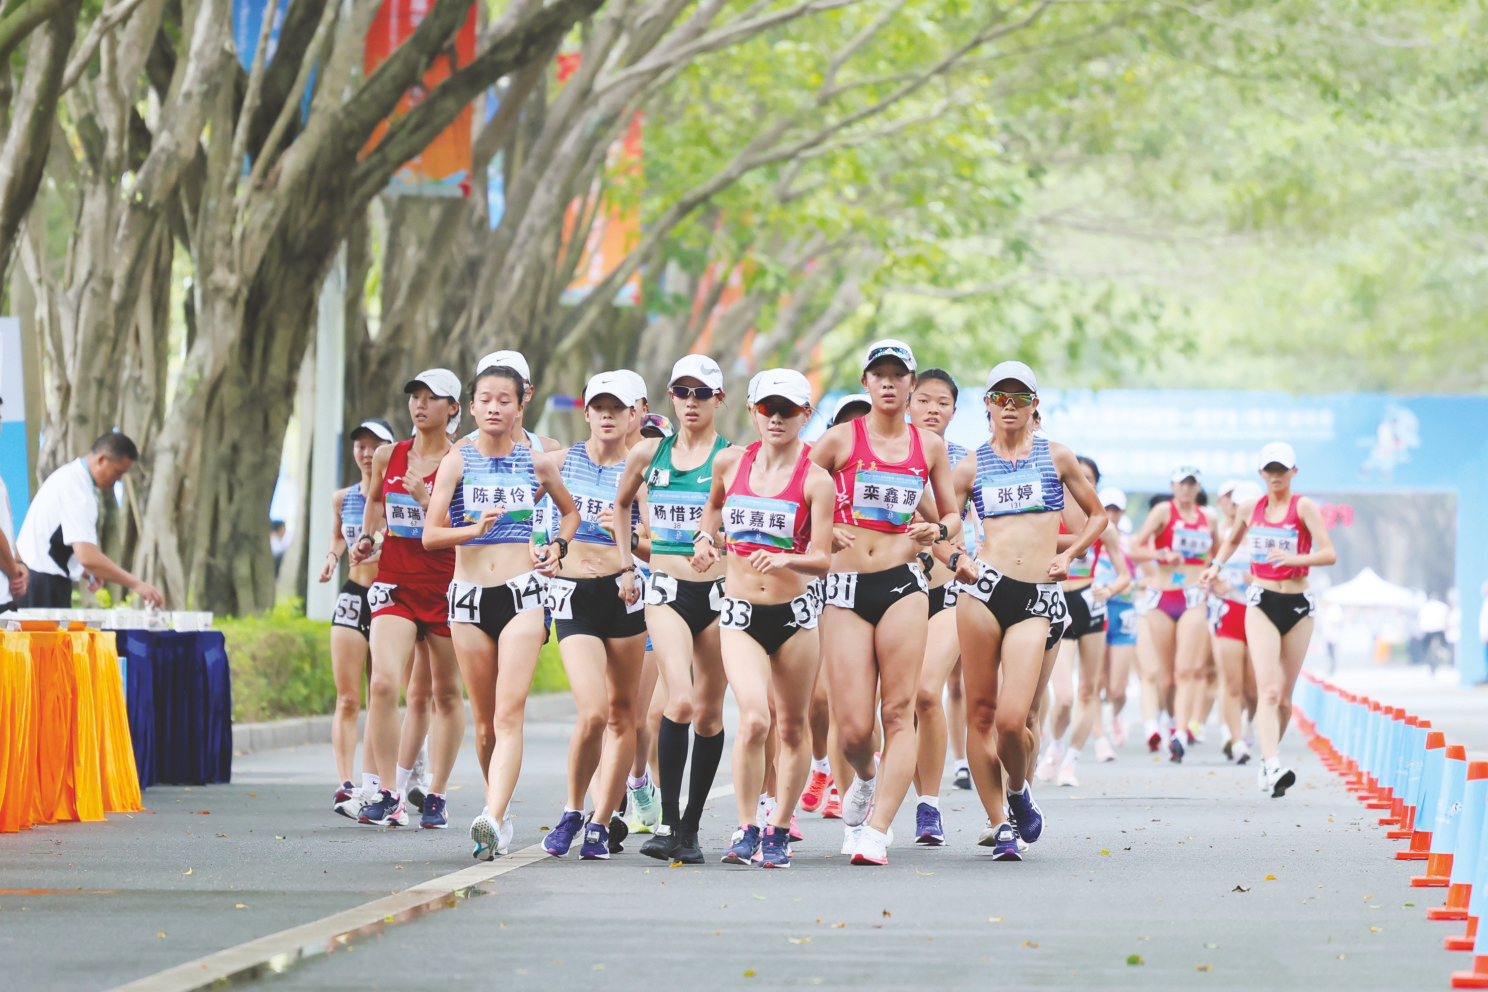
353	505
491	482
1029	485
593	488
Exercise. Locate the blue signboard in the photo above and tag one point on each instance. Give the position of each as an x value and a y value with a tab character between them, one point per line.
15	468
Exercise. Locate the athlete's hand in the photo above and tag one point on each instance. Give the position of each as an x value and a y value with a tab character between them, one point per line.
765	562
544	558
1059	567
1276	556
607	519
630	591
704	555
1167	556
925	534
415	487
1100	593
488	519
329	568
842	539
967	570
1207	577
359	552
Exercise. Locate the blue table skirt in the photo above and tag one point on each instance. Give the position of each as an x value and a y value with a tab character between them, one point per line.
178	691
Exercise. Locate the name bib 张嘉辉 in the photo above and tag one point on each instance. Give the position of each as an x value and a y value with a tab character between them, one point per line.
886	497
482	492
1191	542
1264	539
759	520
1016	492
591	501
675	516
405	518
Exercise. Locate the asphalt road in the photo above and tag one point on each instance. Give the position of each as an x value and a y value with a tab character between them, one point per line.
1149	876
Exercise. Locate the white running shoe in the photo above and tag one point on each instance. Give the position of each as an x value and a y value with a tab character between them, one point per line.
1048	766
850	838
1103	750
872	847
1118	732
351	806
858	802
504	831
1261	777
420	777
1239	752
764	811
645	808
1067	776
1279	781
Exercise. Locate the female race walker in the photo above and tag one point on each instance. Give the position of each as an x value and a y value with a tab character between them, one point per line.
407	602
1010	596
1227	594
1287	538
876	621
481	508
351	624
1177	614
681	607
776	508
601	636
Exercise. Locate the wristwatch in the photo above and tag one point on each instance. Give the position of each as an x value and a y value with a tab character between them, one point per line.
562	547
955	556
945	533
635	540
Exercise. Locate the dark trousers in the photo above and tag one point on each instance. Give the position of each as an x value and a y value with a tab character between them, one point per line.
47	592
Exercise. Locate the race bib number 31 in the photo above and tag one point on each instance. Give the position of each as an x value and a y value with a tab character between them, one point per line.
887	497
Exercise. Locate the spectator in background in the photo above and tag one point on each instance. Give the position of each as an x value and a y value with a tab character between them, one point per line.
59	537
16	575
278	542
1330	625
1431	622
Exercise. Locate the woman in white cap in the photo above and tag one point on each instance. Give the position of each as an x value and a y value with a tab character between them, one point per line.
681	606
1010	600
877	616
1287	537
481	511
407	603
776	511
351	624
601	636
1182	539
1227	593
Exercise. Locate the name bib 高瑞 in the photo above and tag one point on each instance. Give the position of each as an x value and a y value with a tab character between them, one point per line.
405	518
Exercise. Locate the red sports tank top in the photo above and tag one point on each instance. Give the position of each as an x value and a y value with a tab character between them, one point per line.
1291	536
772	523
1192	541
404	558
876	494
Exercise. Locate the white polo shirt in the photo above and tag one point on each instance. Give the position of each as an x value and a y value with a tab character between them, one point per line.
8	529
63	512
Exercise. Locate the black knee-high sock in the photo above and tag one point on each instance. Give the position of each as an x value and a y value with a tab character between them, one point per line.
671	755
707	752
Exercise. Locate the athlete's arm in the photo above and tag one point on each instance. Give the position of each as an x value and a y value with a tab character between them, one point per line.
438	530
821	499
1111	543
963	479
1084	495
372	513
1322	552
547	469
637	460
1230	543
1141	549
948	510
704	552
338	542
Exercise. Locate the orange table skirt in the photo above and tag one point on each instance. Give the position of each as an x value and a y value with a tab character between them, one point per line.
65	750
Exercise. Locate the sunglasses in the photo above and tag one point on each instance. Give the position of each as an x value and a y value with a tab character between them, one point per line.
1020	400
697	392
779	408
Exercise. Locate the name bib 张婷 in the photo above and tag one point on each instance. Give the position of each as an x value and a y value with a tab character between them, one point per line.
1016	492
887	497
758	520
405	518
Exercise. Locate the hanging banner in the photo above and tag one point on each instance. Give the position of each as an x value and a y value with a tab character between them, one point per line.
15	463
443	168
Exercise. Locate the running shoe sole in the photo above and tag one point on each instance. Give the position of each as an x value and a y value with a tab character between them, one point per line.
930	840
863	859
1007	856
484	835
1287	780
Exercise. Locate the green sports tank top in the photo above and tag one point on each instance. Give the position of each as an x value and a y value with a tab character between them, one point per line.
676	498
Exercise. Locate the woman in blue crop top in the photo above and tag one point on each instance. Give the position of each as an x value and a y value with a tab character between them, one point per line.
1010	594
482	507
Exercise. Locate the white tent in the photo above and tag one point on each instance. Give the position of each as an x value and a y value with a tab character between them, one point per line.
1368	589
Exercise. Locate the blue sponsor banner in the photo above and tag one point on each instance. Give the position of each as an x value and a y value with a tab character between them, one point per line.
15	465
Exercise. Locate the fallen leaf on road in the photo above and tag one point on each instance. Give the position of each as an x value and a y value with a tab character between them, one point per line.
675	864
456	788
598	967
1376	929
1411	905
1027	943
760	898
749	973
397	867
1340	957
188	871
1201	967
838	926
278	836
799	940
1270	878
1369	897
994	919
1134	959
160	934
1212	946
1105	852
1239	888
240	906
887	913
927	874
203	812
253	795
222	835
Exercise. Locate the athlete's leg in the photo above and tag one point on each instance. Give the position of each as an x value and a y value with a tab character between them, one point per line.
956	711
516	660
792	678
1265	654
1293	654
981	647
1162	632
820	718
1231	655
392	641
899	641
585	661
1022	669
942	650
1087	713
852	673
645	734
1149	672
1064	691
476	654
1120	659
447	728
672	640
349	669
748	670
1192	634
624	657
1042	698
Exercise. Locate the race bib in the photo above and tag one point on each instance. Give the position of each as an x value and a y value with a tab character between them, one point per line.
380	595
842	589
640	603
1048	601
348	610
1083	567
350	530
803	610
464	602
887	497
662	589
986	582
1191	542
675	516
1016	492
540	522
816	596
951	594
918	571
734	614
559	600
405	518
661	477
1149	600
1253	595
1129	623
1192	596
1093	604
489	491
528	591
592	501
1263	539
756	520
715	595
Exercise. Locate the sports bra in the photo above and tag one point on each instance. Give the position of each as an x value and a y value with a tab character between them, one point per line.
593	488
486	483
1192	541
1291	535
403	553
677	497
353	507
771	523
1024	485
875	494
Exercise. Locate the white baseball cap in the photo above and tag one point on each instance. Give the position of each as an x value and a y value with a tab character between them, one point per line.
1186	472
1279	452
440	382
511	359
1229	486
637	383
377	428
1111	496
1016	371
1246	491
700	367
889	348
788	384
610	384
848	401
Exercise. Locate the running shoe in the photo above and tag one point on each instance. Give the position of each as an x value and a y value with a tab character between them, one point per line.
1279	781
1004	843
775	849
1025	814
596	843
1154	741
929	832
873	847
618	832
1261	777
415	798
963	778
348	801
1118	732
816	791
1195	732
491	837
435	815
645	806
795	831
686	848
1067	776
419	779
742	846
1175	749
1104	751
1240	752
385	811
850	838
561	837
858	801
832	808
764	811
659	845
1048	766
